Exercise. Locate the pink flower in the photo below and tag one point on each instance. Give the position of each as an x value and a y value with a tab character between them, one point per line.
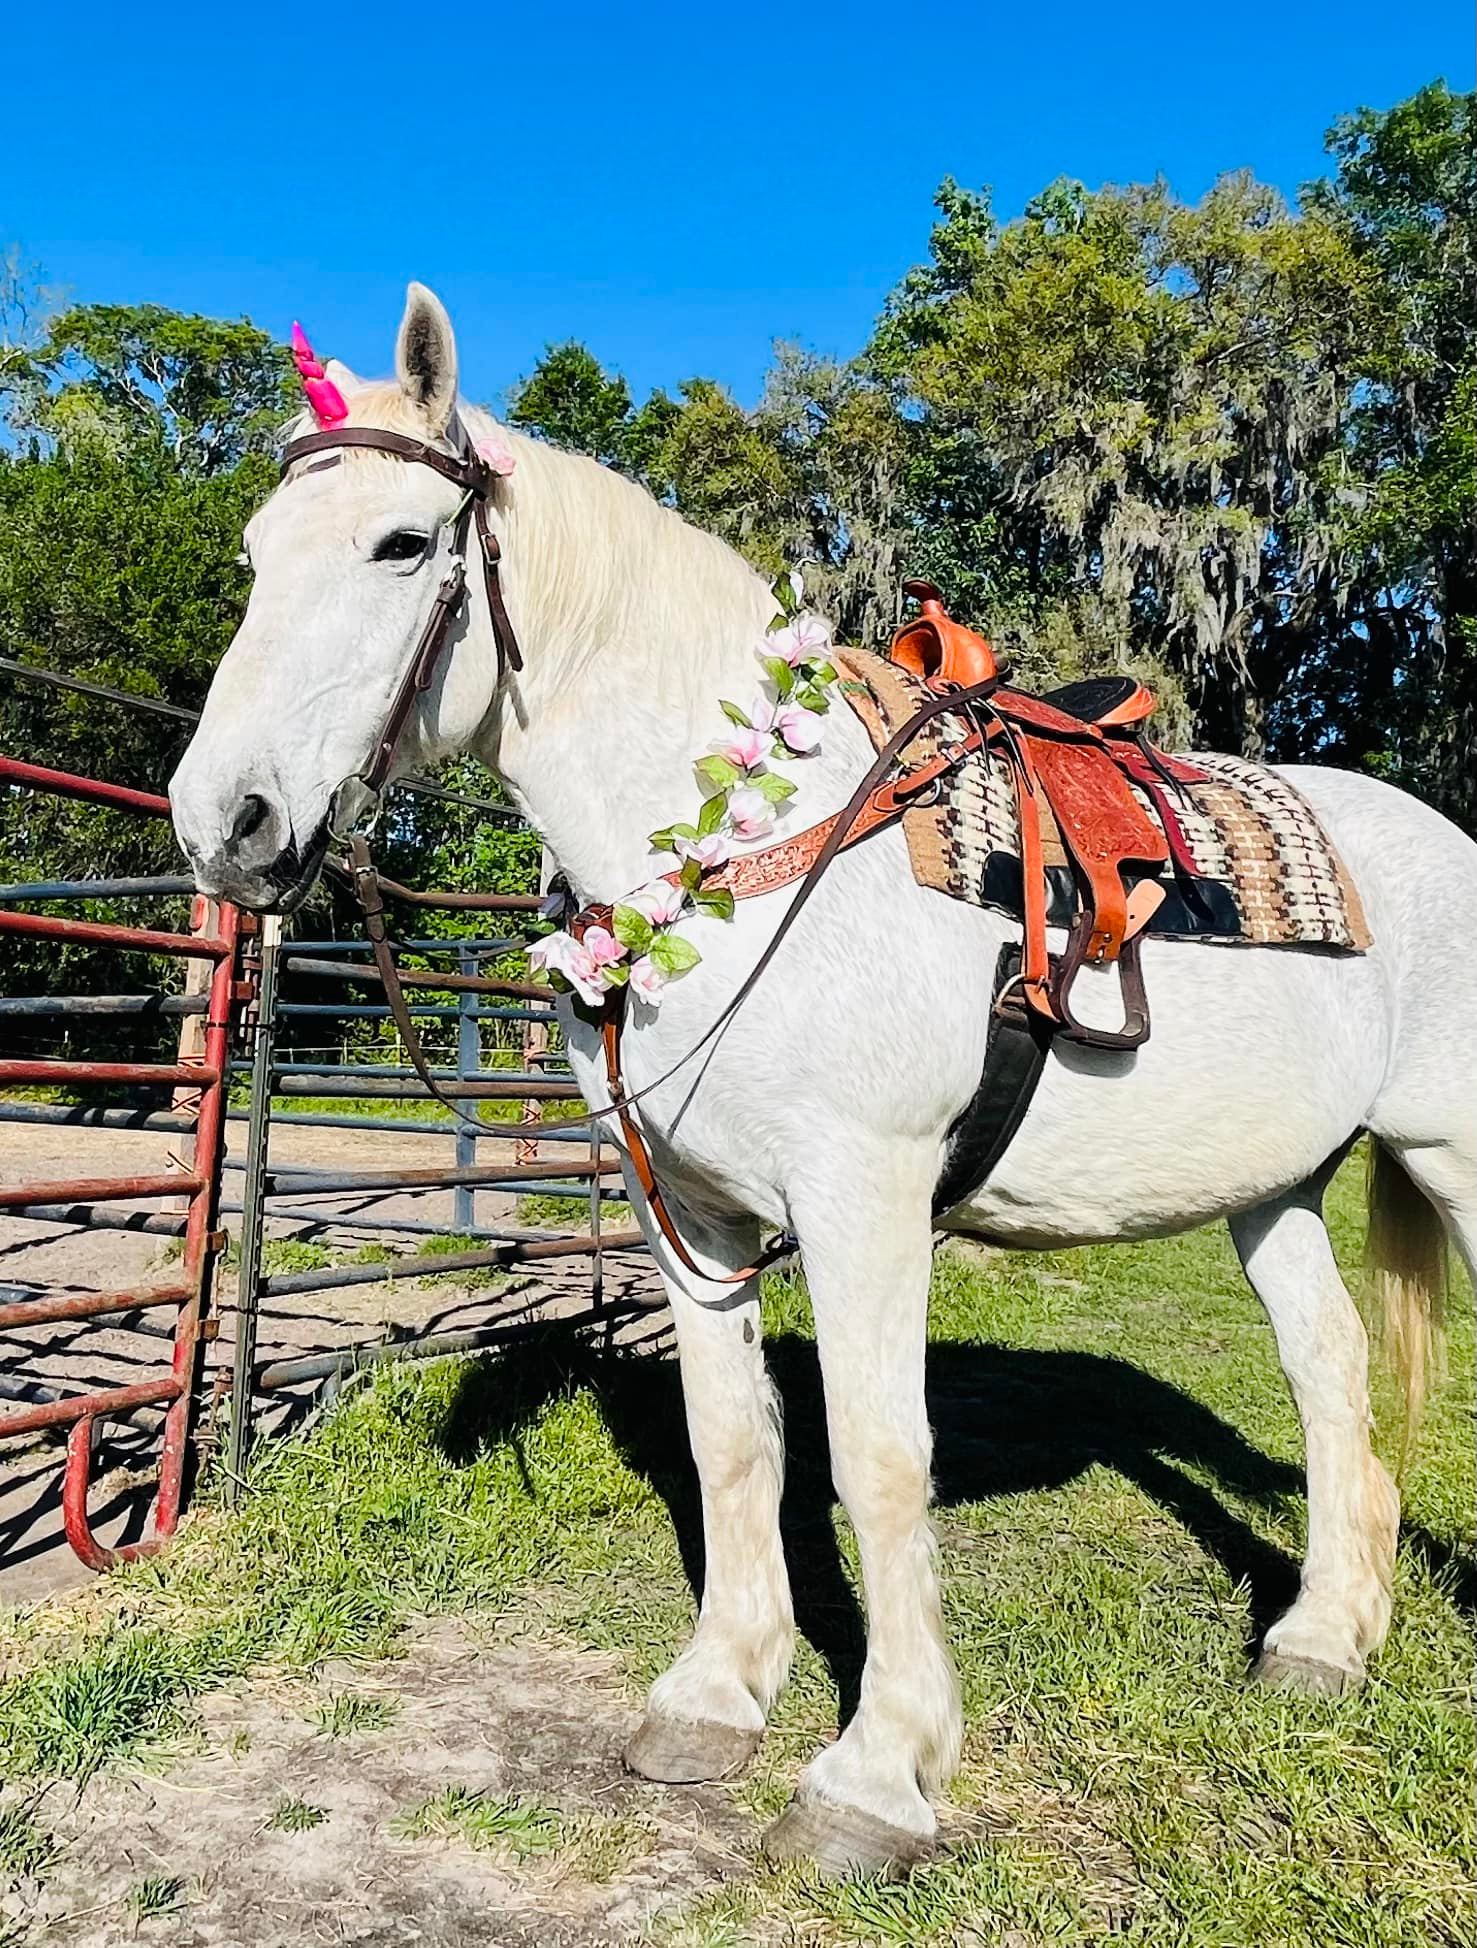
661	902
745	748
750	814
799	727
549	954
710	851
805	640
497	453
602	946
762	714
647	980
562	954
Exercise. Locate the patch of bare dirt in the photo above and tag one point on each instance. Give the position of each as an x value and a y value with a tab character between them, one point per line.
524	1722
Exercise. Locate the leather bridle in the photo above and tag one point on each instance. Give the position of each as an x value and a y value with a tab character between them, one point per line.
469	471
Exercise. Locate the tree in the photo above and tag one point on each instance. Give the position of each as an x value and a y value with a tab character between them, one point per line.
205	391
1405	198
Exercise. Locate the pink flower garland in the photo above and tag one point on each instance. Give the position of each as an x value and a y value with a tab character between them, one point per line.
642	947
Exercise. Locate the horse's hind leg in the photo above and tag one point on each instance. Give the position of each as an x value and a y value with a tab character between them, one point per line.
1343	1606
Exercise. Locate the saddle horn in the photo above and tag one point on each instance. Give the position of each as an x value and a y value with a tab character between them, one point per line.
939	649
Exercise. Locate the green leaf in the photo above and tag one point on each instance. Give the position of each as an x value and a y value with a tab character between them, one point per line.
712	814
664	841
734	715
827	673
814	698
672	954
780	674
770	785
716	900
692	875
631	929
618	973
718	770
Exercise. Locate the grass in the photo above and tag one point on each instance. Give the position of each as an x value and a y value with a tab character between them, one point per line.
1120	1504
294	1255
154	1895
347	1714
26	1848
294	1816
446	1244
567	1213
518	1827
592	1846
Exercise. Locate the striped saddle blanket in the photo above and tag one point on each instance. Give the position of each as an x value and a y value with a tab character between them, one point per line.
1250	863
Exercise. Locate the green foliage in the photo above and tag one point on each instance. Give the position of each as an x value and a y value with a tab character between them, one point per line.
154	1895
26	1849
1228	446
348	1714
118	378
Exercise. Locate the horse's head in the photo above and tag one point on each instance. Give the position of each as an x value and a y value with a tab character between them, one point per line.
348	556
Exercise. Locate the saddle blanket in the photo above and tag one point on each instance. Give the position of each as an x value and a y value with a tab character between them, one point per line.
1265	874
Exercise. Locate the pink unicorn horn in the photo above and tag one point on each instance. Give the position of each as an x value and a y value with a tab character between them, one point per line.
325	401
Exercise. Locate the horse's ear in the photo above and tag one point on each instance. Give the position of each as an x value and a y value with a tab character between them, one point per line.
425	356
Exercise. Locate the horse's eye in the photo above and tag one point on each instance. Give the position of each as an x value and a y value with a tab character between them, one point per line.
404	545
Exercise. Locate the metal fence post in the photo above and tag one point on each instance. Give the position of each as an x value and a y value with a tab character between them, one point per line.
468	1062
253	1208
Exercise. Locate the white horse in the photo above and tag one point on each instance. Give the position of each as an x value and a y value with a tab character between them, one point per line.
824	1105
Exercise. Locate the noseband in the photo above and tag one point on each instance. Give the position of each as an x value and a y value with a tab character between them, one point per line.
473	475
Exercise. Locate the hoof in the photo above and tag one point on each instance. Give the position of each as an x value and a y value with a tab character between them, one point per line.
687	1751
843	1840
1281	1672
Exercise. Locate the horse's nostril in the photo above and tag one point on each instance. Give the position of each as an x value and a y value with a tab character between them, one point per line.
252	816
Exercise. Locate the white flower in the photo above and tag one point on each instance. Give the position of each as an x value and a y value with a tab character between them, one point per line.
750	814
562	954
799	727
660	901
710	851
647	980
805	640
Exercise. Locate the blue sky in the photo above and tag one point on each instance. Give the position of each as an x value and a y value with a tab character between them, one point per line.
676	185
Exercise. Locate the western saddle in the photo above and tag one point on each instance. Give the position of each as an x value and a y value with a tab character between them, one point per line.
1076	756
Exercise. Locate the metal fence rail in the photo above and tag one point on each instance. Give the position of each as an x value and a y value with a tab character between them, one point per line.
270	1190
249	986
202	1071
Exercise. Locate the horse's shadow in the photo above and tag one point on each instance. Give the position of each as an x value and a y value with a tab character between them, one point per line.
1005	1421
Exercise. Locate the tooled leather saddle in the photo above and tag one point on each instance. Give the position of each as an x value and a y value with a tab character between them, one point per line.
1076	755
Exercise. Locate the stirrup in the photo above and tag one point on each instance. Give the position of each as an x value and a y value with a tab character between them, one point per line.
1135	1030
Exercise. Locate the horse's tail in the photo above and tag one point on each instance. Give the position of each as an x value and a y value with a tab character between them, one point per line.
1405	1279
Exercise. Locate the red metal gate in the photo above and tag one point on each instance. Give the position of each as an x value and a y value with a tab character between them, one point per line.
201	1081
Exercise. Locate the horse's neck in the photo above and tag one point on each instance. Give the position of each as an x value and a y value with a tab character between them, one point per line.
633	626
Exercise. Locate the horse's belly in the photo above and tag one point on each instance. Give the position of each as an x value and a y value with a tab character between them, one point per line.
1261	1063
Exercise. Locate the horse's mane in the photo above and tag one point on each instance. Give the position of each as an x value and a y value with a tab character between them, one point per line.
615	572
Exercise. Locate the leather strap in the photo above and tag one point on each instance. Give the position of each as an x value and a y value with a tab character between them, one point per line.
472	474
1015	1055
646	1175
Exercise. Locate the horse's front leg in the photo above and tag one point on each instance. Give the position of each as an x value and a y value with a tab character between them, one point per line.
706	1714
867	1247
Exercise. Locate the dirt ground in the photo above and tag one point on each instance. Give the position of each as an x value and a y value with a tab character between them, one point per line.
37	1258
199	1851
